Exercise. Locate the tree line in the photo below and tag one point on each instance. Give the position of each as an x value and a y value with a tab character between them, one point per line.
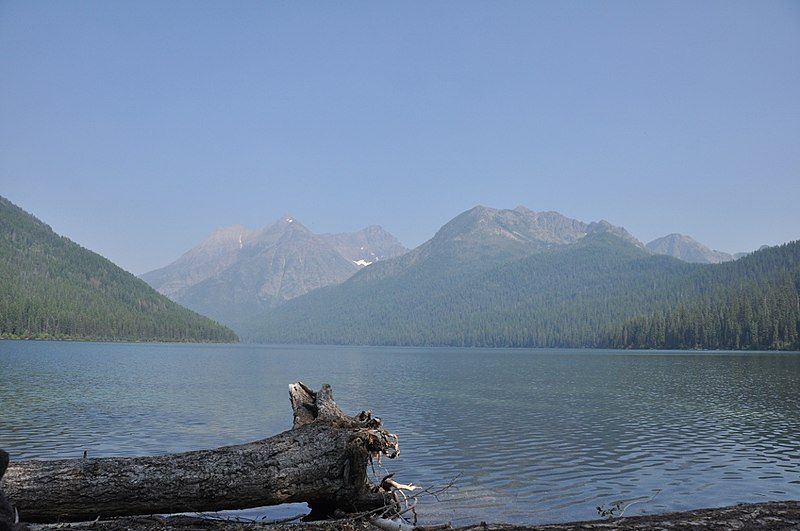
602	293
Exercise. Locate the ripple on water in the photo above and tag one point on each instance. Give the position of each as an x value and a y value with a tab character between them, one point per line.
532	436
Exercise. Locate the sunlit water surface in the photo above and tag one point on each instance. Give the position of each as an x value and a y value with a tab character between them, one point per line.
531	435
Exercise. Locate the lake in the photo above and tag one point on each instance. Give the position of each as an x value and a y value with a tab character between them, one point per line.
531	435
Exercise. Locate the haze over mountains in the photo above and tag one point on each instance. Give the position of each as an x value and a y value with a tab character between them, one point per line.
688	249
242	277
483	236
526	279
237	272
488	277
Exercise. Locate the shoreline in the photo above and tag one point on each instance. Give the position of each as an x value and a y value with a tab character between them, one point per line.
762	516
116	341
389	346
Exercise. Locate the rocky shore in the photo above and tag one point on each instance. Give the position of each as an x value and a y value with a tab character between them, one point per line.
751	516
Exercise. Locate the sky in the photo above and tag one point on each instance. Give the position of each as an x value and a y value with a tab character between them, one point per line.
136	128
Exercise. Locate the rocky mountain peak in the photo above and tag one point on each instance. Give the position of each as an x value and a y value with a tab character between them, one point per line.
484	224
688	249
235	235
605	226
236	270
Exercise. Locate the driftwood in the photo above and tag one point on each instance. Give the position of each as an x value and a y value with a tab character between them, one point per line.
322	460
8	515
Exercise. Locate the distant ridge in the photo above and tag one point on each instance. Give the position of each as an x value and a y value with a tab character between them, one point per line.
213	255
518	278
52	288
688	249
237	272
371	244
481	237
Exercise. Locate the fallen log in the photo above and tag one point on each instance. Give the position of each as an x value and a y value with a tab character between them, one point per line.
8	516
321	460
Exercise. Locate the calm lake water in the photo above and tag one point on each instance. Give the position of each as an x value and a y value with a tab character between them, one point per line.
533	435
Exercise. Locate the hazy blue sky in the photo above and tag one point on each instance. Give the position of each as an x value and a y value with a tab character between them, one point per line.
136	128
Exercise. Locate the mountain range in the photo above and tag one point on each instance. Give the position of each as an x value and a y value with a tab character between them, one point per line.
489	277
524	279
484	270
236	272
262	268
52	288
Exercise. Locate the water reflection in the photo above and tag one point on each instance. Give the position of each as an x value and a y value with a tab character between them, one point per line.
533	435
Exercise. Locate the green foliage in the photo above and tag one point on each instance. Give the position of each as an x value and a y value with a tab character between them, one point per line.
602	292
752	303
52	288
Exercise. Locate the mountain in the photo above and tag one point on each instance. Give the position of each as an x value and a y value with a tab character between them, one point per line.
51	287
687	249
236	272
538	298
280	262
521	229
483	237
365	246
213	255
441	278
517	278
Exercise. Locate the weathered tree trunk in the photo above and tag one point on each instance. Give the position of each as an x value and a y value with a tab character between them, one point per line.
8	517
322	460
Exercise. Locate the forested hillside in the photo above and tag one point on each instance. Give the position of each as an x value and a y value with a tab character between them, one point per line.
750	303
51	287
601	291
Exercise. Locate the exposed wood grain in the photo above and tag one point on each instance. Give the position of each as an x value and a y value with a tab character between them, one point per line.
322	460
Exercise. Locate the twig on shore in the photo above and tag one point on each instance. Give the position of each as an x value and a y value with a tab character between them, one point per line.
611	511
